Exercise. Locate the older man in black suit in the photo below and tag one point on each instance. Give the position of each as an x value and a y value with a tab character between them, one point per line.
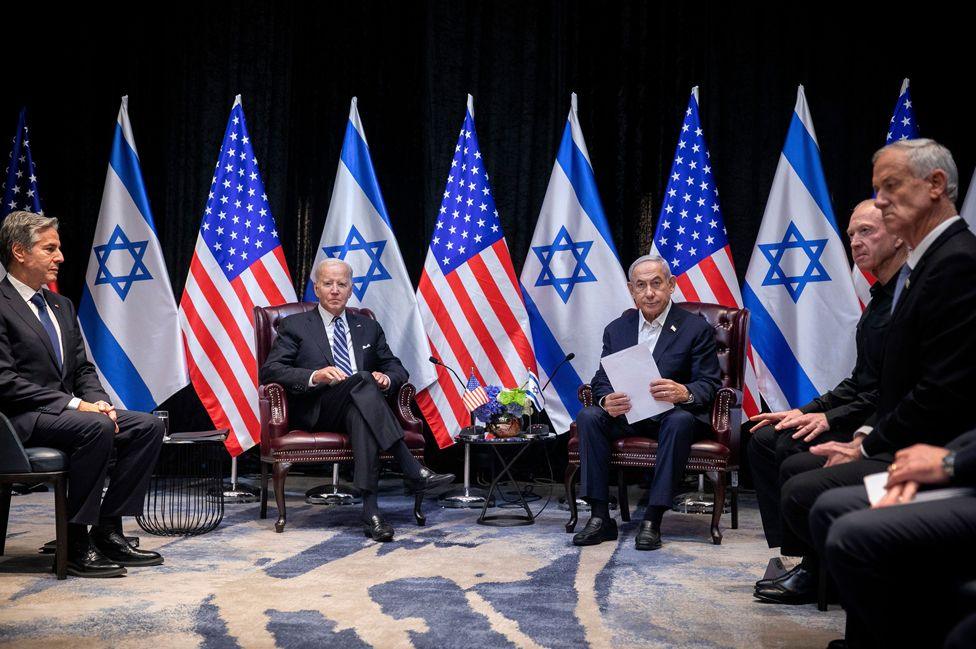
683	346
929	365
336	367
52	395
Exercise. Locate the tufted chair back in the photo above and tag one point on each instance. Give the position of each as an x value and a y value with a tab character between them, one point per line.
266	323
731	330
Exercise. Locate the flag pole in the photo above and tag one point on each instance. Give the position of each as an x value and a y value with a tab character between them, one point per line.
236	493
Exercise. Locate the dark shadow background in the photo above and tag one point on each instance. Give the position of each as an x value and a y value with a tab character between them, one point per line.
411	65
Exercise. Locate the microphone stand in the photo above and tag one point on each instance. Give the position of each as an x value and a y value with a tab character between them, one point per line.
467	497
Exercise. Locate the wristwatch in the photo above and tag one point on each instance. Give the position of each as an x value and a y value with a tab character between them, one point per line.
691	397
949	464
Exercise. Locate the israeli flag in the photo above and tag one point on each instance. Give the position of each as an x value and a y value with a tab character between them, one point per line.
798	286
572	280
357	230
127	309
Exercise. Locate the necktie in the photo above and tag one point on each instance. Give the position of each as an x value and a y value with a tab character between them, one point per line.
48	324
900	284
340	349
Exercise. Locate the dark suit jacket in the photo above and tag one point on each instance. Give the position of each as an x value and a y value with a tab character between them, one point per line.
965	465
928	377
303	346
685	353
30	381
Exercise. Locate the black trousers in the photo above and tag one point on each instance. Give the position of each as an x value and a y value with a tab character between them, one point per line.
898	569
675	431
802	488
768	450
358	407
88	438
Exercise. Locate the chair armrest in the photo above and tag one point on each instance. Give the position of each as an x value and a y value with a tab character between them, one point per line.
585	395
727	420
277	398
13	458
401	408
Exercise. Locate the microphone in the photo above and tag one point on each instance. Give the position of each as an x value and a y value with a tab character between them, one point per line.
437	361
570	356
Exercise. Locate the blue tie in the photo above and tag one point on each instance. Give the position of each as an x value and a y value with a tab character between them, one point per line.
340	349
900	284
48	324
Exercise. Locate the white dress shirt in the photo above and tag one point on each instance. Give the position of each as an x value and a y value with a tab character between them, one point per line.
649	332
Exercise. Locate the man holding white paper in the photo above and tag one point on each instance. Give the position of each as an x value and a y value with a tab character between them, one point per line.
683	348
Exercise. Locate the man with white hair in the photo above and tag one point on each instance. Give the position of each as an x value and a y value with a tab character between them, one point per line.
683	346
336	367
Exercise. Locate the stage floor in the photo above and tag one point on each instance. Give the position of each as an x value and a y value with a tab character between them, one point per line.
450	584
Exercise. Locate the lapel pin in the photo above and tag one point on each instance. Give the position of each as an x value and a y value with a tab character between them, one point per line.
673	328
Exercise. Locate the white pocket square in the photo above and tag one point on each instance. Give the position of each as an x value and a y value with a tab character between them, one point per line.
366	346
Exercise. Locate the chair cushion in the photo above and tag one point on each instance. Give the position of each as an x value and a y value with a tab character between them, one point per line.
300	440
46	460
705	448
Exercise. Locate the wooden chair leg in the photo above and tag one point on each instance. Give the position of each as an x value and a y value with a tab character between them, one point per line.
61	527
279	472
264	490
569	481
717	506
735	499
622	501
4	514
418	512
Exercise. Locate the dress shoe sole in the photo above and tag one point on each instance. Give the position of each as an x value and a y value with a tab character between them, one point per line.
137	563
95	574
646	547
594	540
382	538
792	600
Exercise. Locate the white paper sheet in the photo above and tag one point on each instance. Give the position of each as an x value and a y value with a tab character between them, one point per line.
875	485
631	371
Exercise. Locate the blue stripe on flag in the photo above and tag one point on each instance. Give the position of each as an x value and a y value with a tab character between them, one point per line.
125	162
310	292
580	175
549	354
355	155
802	153
112	360
776	353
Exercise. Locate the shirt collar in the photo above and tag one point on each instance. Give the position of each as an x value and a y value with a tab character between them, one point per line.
659	321
915	254
25	291
328	317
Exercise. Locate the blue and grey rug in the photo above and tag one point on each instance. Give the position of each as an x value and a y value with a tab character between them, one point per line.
450	584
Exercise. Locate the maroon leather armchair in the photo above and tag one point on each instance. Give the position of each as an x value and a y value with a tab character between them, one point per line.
718	453
283	446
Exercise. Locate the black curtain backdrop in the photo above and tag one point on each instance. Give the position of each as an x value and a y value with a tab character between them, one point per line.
412	63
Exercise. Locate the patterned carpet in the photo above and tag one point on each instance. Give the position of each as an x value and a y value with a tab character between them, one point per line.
450	584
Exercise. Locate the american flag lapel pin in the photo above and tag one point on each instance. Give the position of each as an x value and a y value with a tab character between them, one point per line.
673	328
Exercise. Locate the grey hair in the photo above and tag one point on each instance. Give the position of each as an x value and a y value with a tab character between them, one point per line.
332	261
658	259
924	157
22	228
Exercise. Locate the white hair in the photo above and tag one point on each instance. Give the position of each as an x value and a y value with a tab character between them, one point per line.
657	259
332	261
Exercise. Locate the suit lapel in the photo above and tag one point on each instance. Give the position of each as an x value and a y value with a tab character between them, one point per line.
356	328
916	272
19	306
669	333
63	325
316	330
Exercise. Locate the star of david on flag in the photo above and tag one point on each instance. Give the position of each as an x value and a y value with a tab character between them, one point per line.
358	231
798	288
572	280
691	234
127	309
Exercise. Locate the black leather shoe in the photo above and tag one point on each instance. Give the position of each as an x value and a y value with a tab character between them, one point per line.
596	531
762	583
798	588
430	480
92	563
378	529
114	546
839	643
647	537
51	546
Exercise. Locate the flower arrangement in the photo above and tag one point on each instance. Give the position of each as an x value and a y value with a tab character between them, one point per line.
513	401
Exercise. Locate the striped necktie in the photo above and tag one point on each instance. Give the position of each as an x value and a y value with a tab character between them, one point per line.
38	300
340	348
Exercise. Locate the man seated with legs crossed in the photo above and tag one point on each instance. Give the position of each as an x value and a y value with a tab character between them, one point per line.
683	346
337	367
779	439
52	395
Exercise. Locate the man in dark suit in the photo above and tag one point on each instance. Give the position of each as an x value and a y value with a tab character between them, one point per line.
929	365
899	565
683	346
779	439
336	367
52	395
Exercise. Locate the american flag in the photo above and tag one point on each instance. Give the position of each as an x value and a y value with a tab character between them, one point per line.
474	395
469	295
902	126
20	179
237	264
691	234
